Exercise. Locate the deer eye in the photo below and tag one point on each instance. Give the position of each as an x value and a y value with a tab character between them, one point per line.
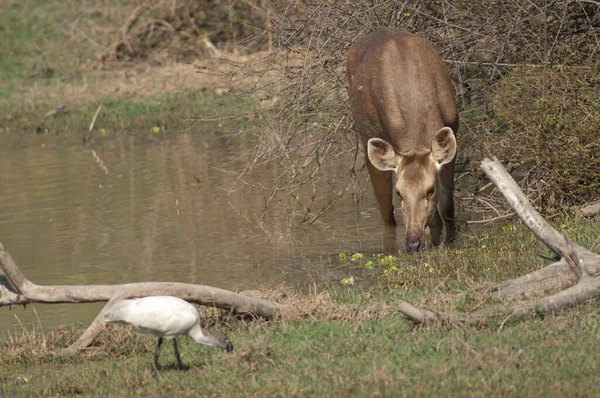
399	195
430	193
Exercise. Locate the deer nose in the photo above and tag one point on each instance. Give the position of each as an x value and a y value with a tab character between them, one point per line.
414	245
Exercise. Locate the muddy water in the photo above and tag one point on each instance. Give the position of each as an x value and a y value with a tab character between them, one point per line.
135	210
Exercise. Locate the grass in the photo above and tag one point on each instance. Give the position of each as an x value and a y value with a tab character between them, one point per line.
348	340
338	358
490	256
157	101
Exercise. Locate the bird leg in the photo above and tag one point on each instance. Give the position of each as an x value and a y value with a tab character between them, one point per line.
157	353
177	354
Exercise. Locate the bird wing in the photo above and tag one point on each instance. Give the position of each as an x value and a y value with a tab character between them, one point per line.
163	316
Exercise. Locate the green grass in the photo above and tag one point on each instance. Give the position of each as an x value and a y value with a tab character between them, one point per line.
33	45
153	114
386	356
350	341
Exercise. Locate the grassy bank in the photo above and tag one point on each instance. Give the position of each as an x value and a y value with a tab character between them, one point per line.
384	356
347	340
49	64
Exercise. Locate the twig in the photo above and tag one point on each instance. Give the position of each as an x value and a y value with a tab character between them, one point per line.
510	65
89	134
489	220
56	111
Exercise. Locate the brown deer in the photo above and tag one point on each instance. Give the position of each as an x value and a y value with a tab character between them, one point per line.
404	109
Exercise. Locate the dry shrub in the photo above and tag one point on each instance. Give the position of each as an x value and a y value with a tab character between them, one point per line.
157	30
549	129
310	125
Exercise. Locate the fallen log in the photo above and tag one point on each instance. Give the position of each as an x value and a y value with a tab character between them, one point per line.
576	275
590	209
16	289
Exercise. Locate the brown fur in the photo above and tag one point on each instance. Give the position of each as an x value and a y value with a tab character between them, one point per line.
400	93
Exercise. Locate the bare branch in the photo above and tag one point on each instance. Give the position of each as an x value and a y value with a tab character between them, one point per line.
203	295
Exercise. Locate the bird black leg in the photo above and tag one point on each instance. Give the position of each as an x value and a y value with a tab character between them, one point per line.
157	353
177	354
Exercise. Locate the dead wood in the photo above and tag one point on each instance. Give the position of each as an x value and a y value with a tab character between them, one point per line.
590	210
56	111
577	271
551	278
15	289
422	317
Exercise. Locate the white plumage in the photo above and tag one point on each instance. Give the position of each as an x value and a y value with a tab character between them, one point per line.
165	317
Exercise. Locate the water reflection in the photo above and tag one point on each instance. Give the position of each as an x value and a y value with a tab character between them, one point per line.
162	213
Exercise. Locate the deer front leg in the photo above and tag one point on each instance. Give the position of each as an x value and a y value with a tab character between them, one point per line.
382	186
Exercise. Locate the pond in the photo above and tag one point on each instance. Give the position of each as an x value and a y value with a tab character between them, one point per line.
130	209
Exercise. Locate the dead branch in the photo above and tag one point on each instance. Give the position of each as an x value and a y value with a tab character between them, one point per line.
577	271
15	288
590	210
517	200
56	111
422	317
86	139
553	277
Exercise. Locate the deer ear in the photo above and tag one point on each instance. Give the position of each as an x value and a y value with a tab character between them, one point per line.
443	147
382	154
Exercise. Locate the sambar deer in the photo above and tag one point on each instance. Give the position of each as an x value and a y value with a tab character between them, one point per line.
404	109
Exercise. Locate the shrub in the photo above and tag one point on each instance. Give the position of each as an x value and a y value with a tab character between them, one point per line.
548	120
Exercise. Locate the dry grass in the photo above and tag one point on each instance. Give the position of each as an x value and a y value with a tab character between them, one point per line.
217	90
35	342
321	306
135	84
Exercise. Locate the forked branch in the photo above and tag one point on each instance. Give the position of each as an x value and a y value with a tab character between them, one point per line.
577	271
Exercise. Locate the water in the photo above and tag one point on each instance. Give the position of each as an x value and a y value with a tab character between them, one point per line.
163	212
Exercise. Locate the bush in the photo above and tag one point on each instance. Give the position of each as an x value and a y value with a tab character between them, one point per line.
181	29
549	126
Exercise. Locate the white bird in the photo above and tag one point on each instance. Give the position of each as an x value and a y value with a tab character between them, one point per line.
166	317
